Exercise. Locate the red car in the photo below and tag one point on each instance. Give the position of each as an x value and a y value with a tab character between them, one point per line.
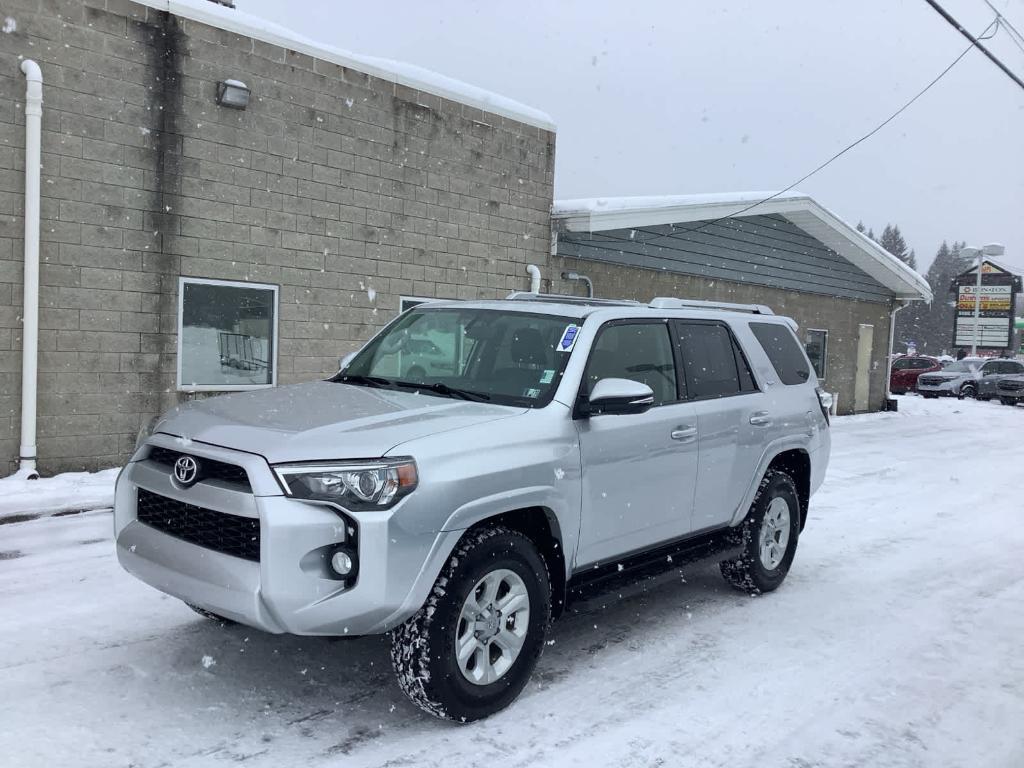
906	369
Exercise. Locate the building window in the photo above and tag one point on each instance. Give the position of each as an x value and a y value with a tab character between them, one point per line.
816	344
227	335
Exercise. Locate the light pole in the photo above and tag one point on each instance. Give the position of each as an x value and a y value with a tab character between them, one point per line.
992	249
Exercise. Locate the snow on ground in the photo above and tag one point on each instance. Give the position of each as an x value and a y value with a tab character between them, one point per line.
70	492
895	642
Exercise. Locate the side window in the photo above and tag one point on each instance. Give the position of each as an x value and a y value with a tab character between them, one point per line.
1014	367
784	351
920	364
637	351
988	368
901	365
714	366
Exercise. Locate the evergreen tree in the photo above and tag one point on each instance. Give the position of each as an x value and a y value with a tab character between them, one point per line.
892	240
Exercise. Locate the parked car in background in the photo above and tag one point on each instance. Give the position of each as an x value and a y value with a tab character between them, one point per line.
1010	389
959	379
907	368
992	373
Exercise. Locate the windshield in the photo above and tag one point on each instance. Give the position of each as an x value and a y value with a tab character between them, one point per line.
504	357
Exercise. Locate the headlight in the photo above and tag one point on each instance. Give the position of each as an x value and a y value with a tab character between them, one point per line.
357	485
146	431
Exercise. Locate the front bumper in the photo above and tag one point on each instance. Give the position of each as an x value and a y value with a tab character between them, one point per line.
290	589
945	389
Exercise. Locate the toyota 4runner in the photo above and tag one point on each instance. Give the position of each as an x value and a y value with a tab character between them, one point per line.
564	444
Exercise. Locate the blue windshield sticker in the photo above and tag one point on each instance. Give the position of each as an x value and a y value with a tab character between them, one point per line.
548	376
568	340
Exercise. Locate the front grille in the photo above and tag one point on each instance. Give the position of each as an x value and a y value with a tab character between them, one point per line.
230	534
1012	385
209	469
930	381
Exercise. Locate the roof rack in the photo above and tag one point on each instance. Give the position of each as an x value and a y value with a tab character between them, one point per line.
668	302
557	298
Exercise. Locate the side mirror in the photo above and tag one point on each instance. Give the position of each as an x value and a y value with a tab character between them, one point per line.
343	364
619	397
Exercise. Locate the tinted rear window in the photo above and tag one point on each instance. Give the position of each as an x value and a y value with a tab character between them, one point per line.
784	351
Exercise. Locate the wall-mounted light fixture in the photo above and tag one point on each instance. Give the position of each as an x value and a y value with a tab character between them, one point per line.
233	94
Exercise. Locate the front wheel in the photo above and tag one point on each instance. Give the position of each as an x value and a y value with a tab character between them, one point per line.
967	390
769	536
1008	401
472	647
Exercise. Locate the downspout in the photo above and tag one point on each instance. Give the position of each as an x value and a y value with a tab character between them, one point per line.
892	343
30	334
534	272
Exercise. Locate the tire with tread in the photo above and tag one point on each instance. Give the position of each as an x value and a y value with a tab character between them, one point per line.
967	390
748	574
423	648
1008	400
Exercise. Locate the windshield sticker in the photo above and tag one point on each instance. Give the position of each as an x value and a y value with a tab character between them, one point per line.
548	376
568	340
532	393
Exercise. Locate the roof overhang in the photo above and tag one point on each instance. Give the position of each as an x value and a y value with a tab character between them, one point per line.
603	214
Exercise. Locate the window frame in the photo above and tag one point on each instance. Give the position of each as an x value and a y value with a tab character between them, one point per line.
738	353
661	321
824	352
402	309
275	342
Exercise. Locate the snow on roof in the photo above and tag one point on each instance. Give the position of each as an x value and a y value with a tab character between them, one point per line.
600	214
247	25
653	202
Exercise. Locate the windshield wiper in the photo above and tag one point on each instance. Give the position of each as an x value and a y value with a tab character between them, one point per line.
443	389
364	381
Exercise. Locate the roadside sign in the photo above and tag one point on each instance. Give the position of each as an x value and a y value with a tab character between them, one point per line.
993	328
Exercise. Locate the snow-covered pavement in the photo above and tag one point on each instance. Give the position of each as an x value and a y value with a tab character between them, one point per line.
896	641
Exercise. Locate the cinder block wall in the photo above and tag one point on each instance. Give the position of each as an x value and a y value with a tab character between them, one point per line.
347	191
841	317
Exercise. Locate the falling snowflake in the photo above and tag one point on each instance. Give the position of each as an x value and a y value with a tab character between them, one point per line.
10	25
208	661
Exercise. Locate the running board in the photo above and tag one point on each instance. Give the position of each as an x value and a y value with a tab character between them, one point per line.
721	544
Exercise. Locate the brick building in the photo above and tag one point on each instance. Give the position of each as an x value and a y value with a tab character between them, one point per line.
188	246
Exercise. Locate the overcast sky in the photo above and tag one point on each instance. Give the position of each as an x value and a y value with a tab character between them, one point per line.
687	96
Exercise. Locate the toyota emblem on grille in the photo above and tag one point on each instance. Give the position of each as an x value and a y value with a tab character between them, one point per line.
185	470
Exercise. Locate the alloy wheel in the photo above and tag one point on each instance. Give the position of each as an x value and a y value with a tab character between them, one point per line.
492	626
774	534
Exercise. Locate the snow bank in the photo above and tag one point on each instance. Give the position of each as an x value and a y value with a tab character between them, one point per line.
241	23
70	492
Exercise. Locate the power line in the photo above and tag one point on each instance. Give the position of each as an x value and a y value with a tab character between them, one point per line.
1011	30
974	41
850	146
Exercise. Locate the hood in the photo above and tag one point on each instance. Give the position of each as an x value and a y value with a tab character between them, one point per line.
323	420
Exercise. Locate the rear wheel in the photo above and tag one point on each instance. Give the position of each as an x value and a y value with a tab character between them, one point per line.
472	647
769	536
1008	401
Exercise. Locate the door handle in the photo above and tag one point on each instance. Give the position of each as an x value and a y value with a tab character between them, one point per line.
684	434
760	419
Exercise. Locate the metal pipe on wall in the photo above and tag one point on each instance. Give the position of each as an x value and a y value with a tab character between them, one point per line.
30	319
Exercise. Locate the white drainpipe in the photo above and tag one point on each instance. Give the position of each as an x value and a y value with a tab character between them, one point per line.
534	272
30	335
892	343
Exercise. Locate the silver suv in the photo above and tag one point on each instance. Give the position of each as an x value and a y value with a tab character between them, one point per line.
564	445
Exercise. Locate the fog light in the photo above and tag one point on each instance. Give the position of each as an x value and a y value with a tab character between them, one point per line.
341	562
